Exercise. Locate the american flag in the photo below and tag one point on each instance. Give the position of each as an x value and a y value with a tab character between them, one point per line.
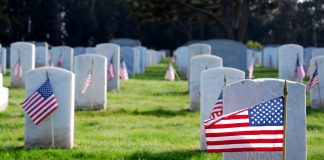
123	70
315	79
299	70
88	80
41	103
217	111
258	128
51	60
60	61
251	68
110	70
17	69
169	75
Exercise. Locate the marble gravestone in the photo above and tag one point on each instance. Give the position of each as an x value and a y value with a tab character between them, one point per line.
79	51
90	50
246	93
4	94
181	59
41	56
253	53
129	55
3	60
270	57
212	83
149	57
59	126
126	42
197	65
288	55
137	57
317	52
22	59
112	53
307	56
65	54
232	52
143	59
94	96
194	50
317	92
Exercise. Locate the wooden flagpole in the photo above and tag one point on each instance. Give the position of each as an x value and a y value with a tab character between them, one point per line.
285	91
52	120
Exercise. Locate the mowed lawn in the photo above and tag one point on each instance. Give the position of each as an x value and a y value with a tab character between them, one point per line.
148	118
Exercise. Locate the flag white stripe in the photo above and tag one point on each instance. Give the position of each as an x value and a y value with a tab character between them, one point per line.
240	137
237	129
33	117
234	121
36	112
35	103
45	113
31	98
251	145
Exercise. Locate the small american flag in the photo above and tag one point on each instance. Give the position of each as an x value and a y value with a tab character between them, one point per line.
123	70
60	61
51	60
87	82
217	111
17	69
110	70
315	79
258	128
169	75
251	68
41	103
299	70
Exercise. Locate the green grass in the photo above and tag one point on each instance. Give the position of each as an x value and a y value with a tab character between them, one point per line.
147	119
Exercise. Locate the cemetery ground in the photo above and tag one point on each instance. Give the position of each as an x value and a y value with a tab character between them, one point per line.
148	118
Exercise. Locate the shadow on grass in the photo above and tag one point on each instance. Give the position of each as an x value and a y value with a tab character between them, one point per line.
172	93
163	113
177	155
313	111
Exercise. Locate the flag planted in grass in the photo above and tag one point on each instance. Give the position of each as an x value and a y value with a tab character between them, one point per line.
60	61
299	70
315	79
218	108
110	70
258	128
123	70
87	82
169	75
251	68
17	69
41	103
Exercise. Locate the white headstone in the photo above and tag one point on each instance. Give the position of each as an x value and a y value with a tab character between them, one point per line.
129	55
65	53
94	96
270	57
90	50
79	51
41	56
112	53
22	53
4	94
317	52
317	92
288	55
197	65
137	61
308	56
3	60
181	59
212	83
194	50
247	93
60	124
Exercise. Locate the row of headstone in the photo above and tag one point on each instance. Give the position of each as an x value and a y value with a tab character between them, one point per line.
317	92
4	92
3	60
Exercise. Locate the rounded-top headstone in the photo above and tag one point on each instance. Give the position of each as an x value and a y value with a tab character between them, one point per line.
197	49
212	83
247	93
22	59
288	55
63	53
58	126
126	42
317	52
317	92
4	94
129	55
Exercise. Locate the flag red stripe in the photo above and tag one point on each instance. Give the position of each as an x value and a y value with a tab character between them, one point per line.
39	106
34	105
27	105
41	113
218	126
244	133
245	141
219	103
42	109
30	98
246	149
47	115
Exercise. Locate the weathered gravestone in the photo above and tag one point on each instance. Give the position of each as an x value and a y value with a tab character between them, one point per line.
212	83
197	65
90	95
4	94
194	50
129	55
126	42
232	52
270	57
22	59
246	93
112	53
288	55
317	92
79	51
3	60
58	128
41	57
62	57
